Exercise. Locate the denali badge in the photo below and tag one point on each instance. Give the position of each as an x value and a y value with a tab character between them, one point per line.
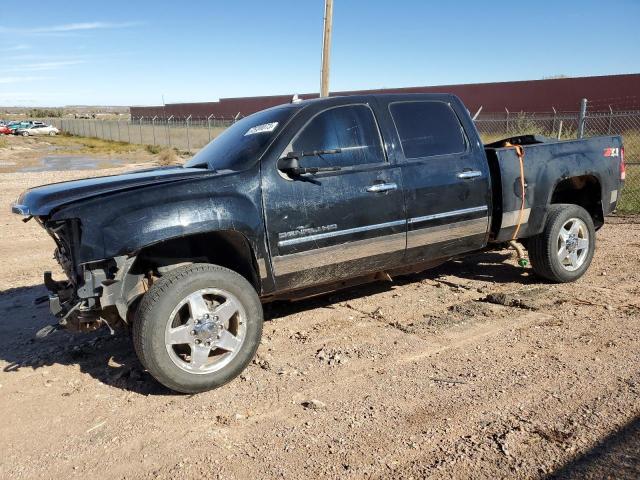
304	231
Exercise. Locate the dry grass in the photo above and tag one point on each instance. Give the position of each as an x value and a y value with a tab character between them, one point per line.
169	156
153	149
87	145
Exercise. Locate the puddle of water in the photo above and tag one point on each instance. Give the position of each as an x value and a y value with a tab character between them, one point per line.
58	163
53	148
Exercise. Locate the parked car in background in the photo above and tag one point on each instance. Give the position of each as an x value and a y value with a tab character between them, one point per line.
4	130
13	126
37	129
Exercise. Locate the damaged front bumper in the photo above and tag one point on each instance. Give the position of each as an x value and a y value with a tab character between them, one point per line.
101	295
72	311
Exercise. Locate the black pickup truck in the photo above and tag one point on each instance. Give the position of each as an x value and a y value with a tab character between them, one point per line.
307	198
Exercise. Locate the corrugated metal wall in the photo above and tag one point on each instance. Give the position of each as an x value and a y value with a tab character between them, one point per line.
621	92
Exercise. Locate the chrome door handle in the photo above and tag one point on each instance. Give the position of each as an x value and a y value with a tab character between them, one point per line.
469	174
382	187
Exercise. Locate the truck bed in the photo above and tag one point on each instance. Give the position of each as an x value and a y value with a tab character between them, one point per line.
547	163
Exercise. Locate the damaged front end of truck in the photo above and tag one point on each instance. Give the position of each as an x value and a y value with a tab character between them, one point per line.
115	236
92	295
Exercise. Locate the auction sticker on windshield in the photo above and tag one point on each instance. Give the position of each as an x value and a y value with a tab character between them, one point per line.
265	127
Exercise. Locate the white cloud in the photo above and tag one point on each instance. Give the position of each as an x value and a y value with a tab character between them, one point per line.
40	98
6	80
15	48
39	66
69	27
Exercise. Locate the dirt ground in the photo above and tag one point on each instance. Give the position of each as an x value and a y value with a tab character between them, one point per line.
476	369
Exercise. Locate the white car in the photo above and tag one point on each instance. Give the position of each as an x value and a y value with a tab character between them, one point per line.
38	129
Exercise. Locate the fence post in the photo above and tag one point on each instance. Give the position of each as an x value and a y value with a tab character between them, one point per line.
560	130
209	125
188	140
129	129
582	117
153	128
553	124
507	122
169	130
119	137
141	130
610	119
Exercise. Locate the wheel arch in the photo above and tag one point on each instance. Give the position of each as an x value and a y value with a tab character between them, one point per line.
582	190
227	248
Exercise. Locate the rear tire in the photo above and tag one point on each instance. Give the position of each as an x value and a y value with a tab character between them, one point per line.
563	251
198	327
25	134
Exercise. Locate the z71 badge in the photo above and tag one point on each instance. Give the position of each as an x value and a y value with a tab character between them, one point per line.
612	152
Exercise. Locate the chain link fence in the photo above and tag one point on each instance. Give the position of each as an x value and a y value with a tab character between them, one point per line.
189	134
565	126
184	134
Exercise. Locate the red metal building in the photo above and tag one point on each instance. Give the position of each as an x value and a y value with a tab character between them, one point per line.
620	92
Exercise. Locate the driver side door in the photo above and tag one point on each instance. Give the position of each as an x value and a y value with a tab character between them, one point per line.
335	225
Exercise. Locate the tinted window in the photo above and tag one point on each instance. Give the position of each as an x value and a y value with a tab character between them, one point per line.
240	145
351	128
427	128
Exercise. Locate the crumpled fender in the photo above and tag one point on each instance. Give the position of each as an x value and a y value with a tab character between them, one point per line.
124	222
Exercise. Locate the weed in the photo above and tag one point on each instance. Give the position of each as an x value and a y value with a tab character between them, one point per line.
74	144
168	156
154	149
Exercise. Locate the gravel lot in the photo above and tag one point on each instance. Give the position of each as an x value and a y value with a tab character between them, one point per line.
433	375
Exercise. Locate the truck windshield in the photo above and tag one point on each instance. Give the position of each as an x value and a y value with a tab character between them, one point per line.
240	145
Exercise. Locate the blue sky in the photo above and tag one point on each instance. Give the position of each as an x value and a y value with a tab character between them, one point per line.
133	52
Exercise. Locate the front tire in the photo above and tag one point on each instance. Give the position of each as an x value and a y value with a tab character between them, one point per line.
25	134
563	251
198	327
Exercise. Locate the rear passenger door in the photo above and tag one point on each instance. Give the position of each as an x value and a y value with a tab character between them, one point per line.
446	180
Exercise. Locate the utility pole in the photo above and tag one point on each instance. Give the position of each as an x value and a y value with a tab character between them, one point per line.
326	47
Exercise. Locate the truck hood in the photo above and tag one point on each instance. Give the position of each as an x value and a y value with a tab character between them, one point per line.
41	201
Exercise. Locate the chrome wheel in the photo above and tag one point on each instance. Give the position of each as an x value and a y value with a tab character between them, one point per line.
573	244
205	331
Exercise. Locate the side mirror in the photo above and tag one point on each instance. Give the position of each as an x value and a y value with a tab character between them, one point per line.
289	164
